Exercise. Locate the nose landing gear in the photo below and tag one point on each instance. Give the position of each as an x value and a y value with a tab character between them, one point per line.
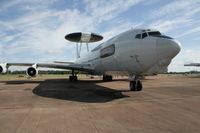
107	78
73	77
136	84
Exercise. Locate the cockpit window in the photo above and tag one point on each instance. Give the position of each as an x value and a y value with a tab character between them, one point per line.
155	33
144	35
158	34
138	36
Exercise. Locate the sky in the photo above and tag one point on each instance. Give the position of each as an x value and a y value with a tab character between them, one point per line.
34	30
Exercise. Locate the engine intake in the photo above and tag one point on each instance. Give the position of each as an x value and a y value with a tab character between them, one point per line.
3	68
32	71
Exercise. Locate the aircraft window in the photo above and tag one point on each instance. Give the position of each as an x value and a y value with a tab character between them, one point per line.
155	33
144	35
107	51
138	36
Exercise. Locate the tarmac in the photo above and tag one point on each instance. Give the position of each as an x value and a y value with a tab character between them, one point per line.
167	103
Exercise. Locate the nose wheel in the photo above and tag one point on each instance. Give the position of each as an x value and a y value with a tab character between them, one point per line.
107	78
73	77
135	85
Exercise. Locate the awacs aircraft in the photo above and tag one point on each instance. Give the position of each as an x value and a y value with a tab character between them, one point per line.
136	53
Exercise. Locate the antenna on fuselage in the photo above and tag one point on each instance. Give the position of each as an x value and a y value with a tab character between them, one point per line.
79	38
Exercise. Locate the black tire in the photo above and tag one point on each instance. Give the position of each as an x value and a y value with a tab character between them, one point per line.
132	85
139	86
107	78
1	69
135	86
104	78
72	78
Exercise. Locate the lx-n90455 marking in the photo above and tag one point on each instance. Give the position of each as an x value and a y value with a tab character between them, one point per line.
135	53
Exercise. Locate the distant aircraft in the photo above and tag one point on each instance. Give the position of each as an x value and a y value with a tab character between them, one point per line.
135	53
193	64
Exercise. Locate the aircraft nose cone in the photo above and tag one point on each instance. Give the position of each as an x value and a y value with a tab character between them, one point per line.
168	48
176	47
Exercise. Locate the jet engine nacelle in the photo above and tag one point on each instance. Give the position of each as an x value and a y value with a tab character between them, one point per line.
32	71
3	68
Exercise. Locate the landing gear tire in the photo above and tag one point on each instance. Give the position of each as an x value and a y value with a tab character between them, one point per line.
107	78
72	78
135	85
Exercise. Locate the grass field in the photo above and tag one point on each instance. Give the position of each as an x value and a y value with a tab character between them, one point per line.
24	76
4	77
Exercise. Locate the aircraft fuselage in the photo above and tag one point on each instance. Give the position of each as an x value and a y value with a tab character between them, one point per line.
127	54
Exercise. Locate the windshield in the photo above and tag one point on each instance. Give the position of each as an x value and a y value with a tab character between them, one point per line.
154	33
158	34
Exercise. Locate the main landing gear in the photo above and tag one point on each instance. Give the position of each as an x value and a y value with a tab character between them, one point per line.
73	77
107	78
136	84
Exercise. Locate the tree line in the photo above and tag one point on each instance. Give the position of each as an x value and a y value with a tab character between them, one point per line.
44	72
69	72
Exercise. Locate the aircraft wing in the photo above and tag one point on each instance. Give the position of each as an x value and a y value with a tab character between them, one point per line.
63	62
79	67
70	66
193	64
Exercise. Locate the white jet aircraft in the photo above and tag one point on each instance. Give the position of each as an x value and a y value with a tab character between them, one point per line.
136	53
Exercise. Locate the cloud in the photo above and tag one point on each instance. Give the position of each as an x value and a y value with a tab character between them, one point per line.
166	25
25	5
103	10
190	31
42	31
176	8
175	15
